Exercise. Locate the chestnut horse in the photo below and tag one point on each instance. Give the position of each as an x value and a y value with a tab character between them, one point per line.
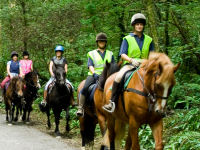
89	121
14	98
142	102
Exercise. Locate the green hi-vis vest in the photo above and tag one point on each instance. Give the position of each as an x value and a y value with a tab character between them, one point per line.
98	61
134	49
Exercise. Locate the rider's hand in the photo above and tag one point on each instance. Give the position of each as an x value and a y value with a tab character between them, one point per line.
134	62
96	76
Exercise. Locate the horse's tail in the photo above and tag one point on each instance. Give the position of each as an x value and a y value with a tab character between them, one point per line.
89	124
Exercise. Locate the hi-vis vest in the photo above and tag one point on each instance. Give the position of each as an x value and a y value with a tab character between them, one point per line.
134	49
98	61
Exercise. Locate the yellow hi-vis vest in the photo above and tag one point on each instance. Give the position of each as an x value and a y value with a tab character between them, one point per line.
134	49
98	61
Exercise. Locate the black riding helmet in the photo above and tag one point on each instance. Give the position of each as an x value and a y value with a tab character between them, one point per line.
14	53
101	37
25	53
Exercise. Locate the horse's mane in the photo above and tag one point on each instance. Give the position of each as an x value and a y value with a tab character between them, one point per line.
158	63
13	82
108	70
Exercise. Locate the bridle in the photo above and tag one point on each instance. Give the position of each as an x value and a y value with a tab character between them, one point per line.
151	97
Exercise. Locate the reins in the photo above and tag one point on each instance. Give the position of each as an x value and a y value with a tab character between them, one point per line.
150	97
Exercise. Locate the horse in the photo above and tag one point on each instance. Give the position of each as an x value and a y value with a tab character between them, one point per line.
14	98
89	120
142	102
30	93
58	99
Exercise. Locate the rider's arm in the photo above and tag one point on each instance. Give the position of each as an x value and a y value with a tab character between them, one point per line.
65	68
8	69
20	72
91	68
32	66
51	68
126	58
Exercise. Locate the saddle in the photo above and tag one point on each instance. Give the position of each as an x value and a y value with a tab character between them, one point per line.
127	77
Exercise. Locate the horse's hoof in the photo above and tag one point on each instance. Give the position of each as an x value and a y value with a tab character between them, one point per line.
9	124
83	148
58	137
16	119
103	147
67	129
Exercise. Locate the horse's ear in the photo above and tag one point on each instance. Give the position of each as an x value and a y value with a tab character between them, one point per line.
176	67
107	63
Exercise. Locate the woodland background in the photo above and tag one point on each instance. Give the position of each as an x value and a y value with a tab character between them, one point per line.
39	25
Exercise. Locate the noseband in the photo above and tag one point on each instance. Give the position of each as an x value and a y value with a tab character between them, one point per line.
151	97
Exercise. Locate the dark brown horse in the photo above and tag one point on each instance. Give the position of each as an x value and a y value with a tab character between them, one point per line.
13	98
89	121
58	99
30	93
142	102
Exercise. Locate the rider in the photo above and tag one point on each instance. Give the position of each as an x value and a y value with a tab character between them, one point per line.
13	68
61	61
26	64
134	49
96	60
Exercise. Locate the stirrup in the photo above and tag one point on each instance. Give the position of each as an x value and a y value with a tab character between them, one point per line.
82	113
113	107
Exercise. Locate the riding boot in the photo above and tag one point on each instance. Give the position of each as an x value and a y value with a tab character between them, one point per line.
44	102
80	111
114	98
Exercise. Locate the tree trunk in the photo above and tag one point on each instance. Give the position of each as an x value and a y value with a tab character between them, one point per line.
166	41
153	21
23	5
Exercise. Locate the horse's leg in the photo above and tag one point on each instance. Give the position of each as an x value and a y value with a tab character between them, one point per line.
119	132
7	119
17	113
133	130
29	111
157	129
82	130
57	120
67	119
12	112
48	117
102	123
111	128
24	113
128	142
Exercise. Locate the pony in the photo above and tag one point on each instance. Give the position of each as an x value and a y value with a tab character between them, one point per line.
142	102
30	93
13	98
89	120
58	99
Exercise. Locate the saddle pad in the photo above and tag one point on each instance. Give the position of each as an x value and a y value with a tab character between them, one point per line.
127	77
50	87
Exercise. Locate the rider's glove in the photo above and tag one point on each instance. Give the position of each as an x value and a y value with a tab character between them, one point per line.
96	76
134	62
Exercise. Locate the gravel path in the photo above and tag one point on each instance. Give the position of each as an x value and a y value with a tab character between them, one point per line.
22	137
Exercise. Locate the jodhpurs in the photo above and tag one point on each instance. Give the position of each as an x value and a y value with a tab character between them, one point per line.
89	81
52	79
122	71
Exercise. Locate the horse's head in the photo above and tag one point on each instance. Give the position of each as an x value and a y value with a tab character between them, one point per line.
32	78
60	75
17	84
159	79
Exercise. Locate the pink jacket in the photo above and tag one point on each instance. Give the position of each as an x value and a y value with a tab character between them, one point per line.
26	66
